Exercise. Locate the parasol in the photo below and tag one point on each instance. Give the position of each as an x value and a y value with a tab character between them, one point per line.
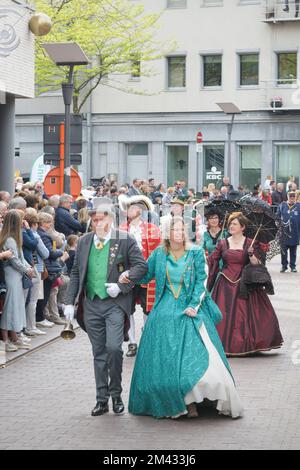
264	226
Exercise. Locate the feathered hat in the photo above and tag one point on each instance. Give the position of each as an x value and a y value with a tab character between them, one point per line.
139	200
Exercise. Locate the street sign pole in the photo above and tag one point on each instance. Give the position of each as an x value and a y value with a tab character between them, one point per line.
199	151
67	89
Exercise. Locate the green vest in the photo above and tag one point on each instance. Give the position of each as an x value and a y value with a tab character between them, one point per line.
97	272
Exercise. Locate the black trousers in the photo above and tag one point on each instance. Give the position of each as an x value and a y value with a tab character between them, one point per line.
293	256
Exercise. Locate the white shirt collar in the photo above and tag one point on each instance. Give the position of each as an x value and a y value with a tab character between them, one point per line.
106	239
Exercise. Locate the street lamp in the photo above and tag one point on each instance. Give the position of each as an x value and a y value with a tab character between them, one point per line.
67	54
232	109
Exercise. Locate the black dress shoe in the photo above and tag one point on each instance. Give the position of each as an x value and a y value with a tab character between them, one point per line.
293	270
118	405
100	409
283	269
132	349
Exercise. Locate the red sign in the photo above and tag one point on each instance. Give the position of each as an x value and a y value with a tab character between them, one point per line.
52	182
199	137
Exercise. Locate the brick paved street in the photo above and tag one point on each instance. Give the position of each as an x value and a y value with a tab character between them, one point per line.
46	398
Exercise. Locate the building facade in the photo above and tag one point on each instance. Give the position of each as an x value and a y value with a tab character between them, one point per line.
244	52
16	78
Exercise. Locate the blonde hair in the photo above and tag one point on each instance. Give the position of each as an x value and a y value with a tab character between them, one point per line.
83	215
44	217
167	225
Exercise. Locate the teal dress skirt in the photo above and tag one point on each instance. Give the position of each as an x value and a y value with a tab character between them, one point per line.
177	351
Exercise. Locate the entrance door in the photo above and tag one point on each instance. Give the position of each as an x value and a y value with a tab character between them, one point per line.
178	163
287	163
137	162
213	164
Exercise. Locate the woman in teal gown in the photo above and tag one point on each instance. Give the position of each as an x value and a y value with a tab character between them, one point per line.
215	232
180	359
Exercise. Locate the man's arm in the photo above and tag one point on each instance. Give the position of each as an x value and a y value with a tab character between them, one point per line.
73	287
137	266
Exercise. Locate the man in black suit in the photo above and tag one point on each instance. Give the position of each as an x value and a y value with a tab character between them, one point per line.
101	257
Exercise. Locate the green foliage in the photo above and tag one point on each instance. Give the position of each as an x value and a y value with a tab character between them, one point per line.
116	35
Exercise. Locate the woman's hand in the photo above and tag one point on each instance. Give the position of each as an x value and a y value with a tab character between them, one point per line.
190	312
6	254
31	273
25	224
124	278
250	251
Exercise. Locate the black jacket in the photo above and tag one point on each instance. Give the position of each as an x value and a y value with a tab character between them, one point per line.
255	277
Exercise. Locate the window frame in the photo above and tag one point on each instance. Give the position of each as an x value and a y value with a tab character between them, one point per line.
202	70
172	56
241	53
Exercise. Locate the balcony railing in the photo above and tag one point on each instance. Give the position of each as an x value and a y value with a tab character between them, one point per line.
281	10
280	95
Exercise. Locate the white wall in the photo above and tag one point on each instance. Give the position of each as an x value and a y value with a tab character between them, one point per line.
230	28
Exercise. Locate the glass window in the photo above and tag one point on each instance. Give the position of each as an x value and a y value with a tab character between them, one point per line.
249	69
212	70
178	159
176	72
137	149
287	68
250	166
176	3
212	3
287	163
213	164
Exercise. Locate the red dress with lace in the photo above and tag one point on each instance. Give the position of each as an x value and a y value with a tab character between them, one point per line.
248	325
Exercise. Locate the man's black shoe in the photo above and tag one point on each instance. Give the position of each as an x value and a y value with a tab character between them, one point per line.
100	409
118	405
293	270
132	349
283	269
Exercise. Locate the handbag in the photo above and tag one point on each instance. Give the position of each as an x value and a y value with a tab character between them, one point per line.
44	274
26	281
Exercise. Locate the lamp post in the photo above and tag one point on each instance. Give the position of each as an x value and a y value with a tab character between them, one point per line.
231	109
67	54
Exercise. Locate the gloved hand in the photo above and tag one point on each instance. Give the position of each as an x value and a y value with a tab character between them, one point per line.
124	278
190	312
69	312
112	289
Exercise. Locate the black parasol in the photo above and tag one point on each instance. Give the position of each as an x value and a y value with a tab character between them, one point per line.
264	226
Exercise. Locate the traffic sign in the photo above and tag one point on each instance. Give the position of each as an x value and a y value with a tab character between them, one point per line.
52	183
199	148
199	137
52	138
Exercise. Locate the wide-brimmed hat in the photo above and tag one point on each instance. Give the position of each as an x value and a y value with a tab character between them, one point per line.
102	204
178	200
138	200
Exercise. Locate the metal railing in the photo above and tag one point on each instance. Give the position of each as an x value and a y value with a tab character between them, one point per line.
281	10
282	93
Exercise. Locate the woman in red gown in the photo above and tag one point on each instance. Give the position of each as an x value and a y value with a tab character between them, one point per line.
251	325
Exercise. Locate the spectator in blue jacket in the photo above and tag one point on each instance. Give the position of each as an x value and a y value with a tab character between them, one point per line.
64	222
